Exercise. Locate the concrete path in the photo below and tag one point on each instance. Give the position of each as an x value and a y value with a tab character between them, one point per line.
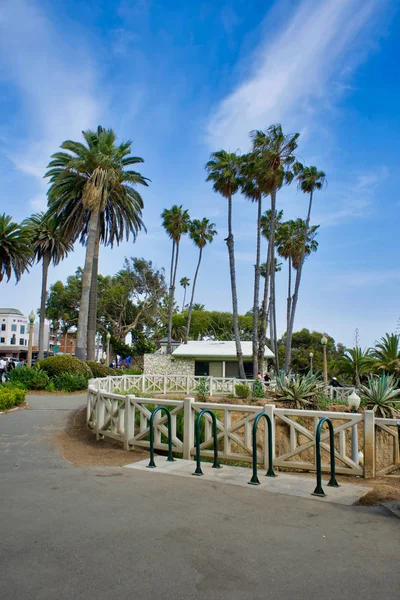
101	533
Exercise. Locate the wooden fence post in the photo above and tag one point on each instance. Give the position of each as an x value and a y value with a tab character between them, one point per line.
100	412
188	427
129	431
369	444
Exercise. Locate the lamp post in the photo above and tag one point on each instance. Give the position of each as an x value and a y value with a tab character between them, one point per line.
311	365
31	318
324	342
108	347
72	347
354	402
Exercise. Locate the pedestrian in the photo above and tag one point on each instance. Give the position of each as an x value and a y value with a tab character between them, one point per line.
2	368
267	378
259	376
335	383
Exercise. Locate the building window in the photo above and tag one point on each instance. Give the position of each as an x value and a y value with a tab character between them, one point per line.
13	340
21	341
3	326
2	340
13	328
26	342
22	329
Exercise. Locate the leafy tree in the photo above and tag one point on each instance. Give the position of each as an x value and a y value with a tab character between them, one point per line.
185	283
304	342
355	363
224	170
92	190
201	232
176	223
49	244
15	249
213	325
386	354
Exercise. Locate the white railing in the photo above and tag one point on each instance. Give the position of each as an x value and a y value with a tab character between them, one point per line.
125	418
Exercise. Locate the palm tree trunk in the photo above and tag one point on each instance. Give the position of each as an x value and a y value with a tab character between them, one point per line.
274	337
92	320
289	296
170	301
171	307
295	298
264	316
184	298
192	297
42	318
256	291
231	253
81	335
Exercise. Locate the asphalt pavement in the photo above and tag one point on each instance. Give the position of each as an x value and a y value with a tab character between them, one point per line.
102	533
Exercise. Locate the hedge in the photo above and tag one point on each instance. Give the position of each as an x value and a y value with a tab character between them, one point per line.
10	397
99	370
57	365
32	379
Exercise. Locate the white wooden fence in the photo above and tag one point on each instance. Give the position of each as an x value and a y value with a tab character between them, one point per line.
125	417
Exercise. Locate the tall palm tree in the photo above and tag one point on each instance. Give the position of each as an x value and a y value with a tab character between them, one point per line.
310	180
355	363
49	244
275	152
386	354
185	283
15	250
202	233
176	223
92	190
224	170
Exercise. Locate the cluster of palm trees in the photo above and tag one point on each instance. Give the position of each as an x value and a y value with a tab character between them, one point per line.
176	222
92	198
270	164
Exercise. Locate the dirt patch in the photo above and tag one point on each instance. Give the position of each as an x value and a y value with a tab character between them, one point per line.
380	494
78	446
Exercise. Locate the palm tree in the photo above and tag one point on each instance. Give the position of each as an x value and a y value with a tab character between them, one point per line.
49	244
176	223
15	249
92	191
201	232
275	156
223	170
185	283
355	363
199	307
386	354
310	180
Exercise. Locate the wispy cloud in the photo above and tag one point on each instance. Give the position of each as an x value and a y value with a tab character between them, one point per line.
357	279
291	70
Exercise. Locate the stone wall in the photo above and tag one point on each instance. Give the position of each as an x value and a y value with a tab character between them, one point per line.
164	364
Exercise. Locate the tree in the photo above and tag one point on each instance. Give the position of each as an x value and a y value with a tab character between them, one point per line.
212	325
201	232
275	156
199	307
15	249
185	283
49	245
386	354
310	180
355	363
92	192
176	223
223	170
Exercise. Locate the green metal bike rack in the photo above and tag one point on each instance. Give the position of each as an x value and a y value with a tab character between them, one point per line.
152	464
332	482
216	464
270	473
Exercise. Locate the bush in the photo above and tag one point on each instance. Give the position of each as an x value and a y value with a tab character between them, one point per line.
242	390
203	388
70	382
10	397
380	394
30	378
57	365
258	389
300	392
99	370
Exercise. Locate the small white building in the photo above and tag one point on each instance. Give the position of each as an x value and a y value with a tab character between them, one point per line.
14	333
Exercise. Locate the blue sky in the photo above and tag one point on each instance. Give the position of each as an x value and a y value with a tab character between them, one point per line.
183	79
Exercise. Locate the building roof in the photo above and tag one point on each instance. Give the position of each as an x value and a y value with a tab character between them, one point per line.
10	311
165	340
216	349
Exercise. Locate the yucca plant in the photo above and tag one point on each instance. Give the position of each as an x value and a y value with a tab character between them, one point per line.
379	395
300	392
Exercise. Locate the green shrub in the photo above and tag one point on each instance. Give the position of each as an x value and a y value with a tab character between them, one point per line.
30	378
99	370
50	387
57	365
242	390
10	397
15	385
203	388
380	394
300	392
70	382
258	389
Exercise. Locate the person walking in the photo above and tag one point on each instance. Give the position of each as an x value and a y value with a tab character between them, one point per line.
2	369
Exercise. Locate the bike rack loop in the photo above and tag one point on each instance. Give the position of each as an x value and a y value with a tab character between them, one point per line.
216	464
270	473
152	464
332	482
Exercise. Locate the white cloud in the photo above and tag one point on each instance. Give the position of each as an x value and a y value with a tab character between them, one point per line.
358	279
291	70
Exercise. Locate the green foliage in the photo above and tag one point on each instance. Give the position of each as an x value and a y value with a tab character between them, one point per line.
301	392
306	341
242	390
10	397
379	395
203	388
258	389
354	364
386	354
99	370
31	378
213	324
15	249
56	365
70	382
50	387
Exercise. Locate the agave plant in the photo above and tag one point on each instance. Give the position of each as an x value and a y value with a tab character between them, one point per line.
380	394
300	392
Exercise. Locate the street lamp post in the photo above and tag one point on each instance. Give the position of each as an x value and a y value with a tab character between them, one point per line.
31	318
354	403
72	347
311	365
324	342
108	348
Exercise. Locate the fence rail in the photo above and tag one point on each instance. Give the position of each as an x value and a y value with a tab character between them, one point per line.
115	413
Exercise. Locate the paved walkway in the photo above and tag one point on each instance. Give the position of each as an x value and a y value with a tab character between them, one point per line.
104	533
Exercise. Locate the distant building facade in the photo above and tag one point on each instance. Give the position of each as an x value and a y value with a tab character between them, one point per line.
14	333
